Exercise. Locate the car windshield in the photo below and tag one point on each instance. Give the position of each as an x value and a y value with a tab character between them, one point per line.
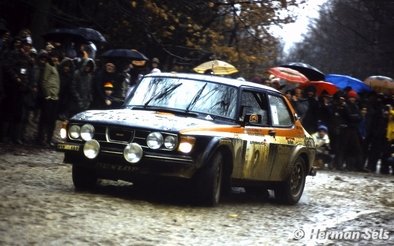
189	95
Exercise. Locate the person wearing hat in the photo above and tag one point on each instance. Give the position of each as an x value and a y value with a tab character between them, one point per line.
351	139
322	142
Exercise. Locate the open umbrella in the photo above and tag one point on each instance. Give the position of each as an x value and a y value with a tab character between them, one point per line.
321	86
309	71
91	34
343	81
129	54
63	34
217	66
380	83
79	34
288	74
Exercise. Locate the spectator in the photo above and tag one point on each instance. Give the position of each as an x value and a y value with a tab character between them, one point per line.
66	70
119	82
336	126
351	138
50	88
310	118
322	142
376	133
155	65
18	84
81	87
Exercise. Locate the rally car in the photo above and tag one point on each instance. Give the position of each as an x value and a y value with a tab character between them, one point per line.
207	131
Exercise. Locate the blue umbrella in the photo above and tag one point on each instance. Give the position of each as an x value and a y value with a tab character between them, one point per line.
343	81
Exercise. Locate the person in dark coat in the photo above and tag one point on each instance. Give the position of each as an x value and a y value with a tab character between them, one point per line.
376	133
336	127
66	70
310	118
81	87
351	138
20	88
110	74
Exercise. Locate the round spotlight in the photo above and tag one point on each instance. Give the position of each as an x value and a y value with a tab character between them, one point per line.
91	149
87	132
154	140
132	153
74	131
63	133
170	142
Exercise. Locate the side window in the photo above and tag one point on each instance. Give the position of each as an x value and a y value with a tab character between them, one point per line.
280	113
255	103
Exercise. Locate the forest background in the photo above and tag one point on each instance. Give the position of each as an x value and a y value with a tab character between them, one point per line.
352	37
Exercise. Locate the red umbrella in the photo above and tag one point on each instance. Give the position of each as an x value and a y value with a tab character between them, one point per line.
321	86
288	74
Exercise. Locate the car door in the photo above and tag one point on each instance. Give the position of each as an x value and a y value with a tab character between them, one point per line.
286	137
256	137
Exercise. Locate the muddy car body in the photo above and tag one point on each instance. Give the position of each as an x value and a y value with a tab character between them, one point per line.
208	131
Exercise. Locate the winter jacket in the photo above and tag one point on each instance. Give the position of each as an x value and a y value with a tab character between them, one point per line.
50	85
81	86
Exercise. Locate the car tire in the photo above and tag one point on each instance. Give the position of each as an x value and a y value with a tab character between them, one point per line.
208	181
83	177
290	191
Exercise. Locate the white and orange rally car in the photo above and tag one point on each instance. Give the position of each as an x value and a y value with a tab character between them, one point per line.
208	131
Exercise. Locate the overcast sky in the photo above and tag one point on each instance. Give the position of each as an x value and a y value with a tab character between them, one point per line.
292	33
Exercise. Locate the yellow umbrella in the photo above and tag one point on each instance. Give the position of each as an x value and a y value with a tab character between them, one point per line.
380	83
217	66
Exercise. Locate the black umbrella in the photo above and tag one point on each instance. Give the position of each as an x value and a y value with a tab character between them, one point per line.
63	34
312	73
129	54
79	34
91	34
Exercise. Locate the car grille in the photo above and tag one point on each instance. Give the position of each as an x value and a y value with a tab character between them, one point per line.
118	135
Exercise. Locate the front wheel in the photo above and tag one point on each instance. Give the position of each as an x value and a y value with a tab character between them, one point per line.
290	191
83	177
208	181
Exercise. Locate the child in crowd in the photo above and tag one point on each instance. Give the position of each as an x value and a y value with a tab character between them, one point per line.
322	142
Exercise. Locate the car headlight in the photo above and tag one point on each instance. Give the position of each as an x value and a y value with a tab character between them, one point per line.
74	131
132	153
170	142
91	149
63	133
154	140
186	144
87	132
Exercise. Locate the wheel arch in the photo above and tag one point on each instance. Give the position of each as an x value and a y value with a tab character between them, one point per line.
301	152
226	148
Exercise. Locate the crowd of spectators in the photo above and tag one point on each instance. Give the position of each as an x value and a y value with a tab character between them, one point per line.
40	87
353	132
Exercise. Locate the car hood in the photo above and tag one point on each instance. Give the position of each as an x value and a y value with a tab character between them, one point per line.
142	119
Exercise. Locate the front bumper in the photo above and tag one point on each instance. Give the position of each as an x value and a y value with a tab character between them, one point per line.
110	162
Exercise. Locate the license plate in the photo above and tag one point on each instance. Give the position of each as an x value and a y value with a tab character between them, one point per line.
68	147
114	167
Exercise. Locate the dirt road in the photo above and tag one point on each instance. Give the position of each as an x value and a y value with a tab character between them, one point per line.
39	206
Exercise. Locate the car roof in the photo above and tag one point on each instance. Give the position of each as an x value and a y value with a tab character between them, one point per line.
213	78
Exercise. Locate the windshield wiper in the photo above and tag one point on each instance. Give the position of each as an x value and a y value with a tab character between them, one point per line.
196	97
163	94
